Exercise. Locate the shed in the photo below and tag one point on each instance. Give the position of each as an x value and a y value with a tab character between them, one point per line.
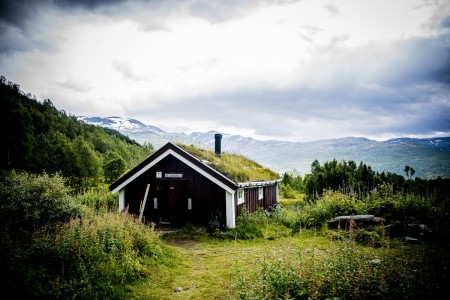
175	186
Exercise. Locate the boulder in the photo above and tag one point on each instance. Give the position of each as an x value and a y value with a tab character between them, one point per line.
343	222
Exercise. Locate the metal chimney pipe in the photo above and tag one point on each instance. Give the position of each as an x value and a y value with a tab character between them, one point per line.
217	147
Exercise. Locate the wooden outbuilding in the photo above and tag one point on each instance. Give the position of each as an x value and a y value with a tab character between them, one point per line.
175	186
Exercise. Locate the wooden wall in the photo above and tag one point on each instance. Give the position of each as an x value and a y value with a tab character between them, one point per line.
207	197
252	203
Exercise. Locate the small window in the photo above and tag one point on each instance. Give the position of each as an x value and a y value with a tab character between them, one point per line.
189	203
240	196
260	193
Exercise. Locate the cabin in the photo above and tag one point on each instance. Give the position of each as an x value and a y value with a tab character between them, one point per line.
177	185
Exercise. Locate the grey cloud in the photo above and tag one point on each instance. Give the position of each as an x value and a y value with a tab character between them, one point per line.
332	9
16	18
126	70
445	23
17	12
75	85
423	60
11	38
221	11
216	11
87	4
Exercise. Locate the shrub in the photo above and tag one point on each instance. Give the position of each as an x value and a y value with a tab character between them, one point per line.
99	199
29	202
286	191
250	225
330	205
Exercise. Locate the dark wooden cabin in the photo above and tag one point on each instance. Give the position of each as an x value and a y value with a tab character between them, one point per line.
174	187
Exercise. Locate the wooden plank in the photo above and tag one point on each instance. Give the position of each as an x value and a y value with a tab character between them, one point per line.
143	204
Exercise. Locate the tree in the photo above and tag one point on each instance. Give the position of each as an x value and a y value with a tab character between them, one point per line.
87	164
406	170
409	171
113	169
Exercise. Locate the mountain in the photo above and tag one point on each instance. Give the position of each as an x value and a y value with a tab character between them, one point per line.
430	157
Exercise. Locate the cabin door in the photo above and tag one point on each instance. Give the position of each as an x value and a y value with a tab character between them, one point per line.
174	202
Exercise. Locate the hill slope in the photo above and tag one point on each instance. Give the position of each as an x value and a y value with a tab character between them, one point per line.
37	137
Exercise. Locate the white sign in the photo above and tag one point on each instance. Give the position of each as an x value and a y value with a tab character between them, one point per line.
173	175
158	174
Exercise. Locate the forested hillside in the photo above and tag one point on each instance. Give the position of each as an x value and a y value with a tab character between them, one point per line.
37	137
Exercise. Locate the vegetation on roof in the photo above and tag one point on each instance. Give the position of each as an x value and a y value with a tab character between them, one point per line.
236	167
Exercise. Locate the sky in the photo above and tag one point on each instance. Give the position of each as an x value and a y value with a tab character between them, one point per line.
269	69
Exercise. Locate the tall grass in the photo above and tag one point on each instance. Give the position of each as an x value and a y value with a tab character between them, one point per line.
56	246
362	264
345	271
94	257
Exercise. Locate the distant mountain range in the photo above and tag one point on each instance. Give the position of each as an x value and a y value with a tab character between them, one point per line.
430	157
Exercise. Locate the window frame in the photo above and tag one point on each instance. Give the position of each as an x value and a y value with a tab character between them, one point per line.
260	193
240	195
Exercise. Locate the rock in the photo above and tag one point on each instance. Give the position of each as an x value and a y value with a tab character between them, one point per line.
356	217
343	222
375	261
178	290
411	240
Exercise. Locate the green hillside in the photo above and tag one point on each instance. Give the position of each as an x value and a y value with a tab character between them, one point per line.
37	137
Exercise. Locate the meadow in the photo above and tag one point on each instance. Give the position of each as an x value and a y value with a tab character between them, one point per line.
58	246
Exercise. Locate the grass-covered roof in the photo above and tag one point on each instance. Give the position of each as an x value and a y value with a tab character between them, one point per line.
236	167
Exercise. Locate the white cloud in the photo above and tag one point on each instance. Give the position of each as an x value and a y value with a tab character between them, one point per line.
272	69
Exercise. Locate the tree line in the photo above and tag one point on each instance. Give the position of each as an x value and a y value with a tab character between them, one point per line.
359	180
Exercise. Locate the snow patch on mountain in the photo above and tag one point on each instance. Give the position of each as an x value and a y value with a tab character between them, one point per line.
126	125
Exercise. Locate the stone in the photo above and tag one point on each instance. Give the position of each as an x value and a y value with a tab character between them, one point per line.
178	290
411	240
375	261
343	222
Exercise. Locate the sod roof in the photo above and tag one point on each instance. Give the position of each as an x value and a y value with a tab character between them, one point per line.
236	167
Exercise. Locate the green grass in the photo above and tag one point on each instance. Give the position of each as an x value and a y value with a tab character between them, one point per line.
299	200
207	267
237	167
312	263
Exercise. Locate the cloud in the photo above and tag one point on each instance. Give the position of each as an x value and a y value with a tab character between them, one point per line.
332	9
273	69
87	4
76	85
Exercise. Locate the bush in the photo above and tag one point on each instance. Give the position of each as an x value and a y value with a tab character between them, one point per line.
330	205
29	202
249	225
286	191
99	199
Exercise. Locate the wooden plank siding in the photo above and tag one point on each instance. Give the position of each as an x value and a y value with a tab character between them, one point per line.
252	201
206	197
